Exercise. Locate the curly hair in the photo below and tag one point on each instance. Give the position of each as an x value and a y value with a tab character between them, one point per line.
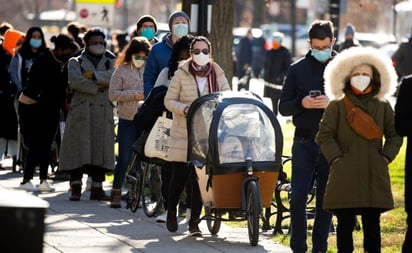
94	32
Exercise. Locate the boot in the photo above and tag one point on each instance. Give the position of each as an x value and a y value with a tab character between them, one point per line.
76	190
194	228
115	198
97	193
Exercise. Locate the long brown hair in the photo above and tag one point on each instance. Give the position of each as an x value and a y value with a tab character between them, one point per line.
136	45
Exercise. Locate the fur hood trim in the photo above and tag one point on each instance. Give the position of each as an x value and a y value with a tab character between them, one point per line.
337	71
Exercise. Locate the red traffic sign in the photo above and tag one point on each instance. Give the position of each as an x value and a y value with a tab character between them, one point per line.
84	13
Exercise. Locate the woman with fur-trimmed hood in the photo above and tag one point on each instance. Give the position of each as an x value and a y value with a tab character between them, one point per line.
359	182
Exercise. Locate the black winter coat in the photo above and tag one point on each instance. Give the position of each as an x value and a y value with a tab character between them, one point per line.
403	125
276	65
304	75
8	126
47	84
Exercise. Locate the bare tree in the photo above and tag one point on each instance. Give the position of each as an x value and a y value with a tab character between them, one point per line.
221	33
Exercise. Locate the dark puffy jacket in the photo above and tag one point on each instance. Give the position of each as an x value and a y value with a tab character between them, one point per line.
152	108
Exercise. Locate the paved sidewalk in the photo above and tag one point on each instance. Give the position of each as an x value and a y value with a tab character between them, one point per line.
92	226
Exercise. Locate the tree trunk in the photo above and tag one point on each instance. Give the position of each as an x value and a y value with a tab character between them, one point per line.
221	33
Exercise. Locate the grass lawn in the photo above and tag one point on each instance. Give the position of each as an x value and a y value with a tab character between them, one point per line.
393	222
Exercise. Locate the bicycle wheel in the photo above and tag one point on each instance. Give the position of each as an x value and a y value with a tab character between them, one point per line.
213	223
134	178
151	193
253	212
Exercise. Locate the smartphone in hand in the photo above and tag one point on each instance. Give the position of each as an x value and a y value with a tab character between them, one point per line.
315	93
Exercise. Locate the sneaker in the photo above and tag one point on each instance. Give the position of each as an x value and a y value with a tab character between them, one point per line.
45	187
194	229
125	196
162	217
28	186
171	221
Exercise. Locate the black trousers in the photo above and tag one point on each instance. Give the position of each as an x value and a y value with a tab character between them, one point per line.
166	174
370	226
97	173
182	174
407	243
38	126
274	94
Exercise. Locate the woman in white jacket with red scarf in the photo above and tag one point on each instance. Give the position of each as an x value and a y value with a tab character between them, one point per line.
196	77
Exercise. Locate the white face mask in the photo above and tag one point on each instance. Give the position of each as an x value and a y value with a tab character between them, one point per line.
97	49
360	82
201	59
180	30
138	63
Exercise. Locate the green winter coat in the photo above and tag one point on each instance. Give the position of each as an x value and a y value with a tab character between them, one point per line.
360	179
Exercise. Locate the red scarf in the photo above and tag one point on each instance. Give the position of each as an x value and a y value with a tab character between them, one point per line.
206	71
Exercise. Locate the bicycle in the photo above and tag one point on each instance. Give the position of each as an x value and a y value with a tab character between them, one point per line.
144	186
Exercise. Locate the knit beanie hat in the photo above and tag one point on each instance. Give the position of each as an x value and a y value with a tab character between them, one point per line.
146	18
350	29
176	14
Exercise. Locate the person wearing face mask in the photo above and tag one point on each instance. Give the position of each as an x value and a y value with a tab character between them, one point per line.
39	108
275	67
359	182
146	26
196	77
308	163
22	61
180	53
126	88
88	140
160	54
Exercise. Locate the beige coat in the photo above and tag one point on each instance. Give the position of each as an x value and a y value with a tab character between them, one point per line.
181	93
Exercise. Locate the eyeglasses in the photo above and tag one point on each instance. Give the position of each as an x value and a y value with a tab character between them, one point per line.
197	51
140	58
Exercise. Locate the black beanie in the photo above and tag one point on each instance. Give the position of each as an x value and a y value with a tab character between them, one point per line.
146	18
176	14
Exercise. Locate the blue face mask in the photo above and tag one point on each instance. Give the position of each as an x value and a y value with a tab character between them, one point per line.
321	55
35	43
148	33
180	30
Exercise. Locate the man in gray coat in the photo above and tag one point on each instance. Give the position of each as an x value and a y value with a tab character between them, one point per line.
88	140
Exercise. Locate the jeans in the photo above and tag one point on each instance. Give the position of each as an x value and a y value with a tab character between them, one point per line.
127	135
308	166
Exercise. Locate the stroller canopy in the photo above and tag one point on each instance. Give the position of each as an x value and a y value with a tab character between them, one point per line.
227	128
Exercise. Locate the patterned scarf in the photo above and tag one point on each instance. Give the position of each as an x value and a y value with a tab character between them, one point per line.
205	71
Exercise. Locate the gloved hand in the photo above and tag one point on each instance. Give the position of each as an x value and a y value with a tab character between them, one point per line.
88	74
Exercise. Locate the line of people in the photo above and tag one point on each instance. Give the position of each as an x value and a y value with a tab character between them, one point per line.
326	149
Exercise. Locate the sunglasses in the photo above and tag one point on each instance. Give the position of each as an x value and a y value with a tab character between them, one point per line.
140	58
197	51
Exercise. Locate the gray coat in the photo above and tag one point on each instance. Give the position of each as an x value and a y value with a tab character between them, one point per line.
89	133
